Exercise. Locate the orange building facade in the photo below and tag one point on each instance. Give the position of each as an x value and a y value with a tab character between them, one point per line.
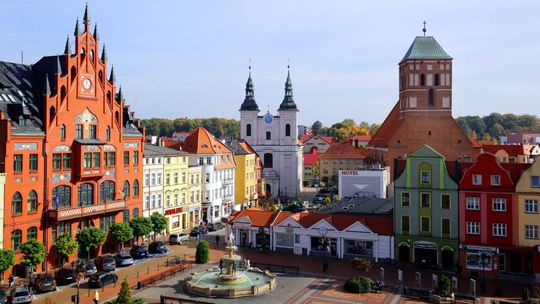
70	147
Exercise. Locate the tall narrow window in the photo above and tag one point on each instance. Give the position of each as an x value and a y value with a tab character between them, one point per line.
287	130
126	216
96	159
86	194
108	133
268	135
268	160
78	132
17	163
135	157
93	131
106	191
422	80
248	130
135	212
16	239
126	158
431	98
16	203
33	162
62	132
32	201
57	161
136	188
66	160
31	233
126	190
437	79
88	160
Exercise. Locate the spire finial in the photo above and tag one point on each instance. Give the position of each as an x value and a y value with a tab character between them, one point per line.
58	66
46	87
112	78
86	18
77	32
103	54
249	67
67	49
96	33
424	29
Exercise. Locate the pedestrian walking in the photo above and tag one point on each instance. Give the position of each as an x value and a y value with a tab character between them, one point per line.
96	297
11	281
217	240
198	236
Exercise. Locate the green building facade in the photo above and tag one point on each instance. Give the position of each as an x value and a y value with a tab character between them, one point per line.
426	210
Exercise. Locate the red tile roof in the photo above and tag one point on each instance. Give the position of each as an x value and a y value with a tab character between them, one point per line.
307	137
344	149
360	137
200	141
311	158
385	132
260	217
512	150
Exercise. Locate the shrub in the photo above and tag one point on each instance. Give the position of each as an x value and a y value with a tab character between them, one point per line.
358	285
445	286
362	264
202	253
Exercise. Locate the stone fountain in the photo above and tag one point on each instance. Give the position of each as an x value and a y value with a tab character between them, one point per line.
232	279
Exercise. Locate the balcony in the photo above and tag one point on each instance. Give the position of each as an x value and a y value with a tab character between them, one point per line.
89	210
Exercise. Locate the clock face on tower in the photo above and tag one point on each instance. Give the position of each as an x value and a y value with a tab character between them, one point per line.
268	118
87	88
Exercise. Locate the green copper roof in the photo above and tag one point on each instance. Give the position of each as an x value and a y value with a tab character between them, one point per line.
425	47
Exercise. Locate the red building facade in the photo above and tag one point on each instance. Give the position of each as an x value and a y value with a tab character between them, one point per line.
488	213
71	148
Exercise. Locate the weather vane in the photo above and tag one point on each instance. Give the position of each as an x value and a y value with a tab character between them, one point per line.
424	29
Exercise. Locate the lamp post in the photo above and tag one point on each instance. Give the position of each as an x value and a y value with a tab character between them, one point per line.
79	277
483	258
323	231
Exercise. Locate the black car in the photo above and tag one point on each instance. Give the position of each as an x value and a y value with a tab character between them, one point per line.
139	252
106	263
194	232
65	276
44	282
215	226
157	247
101	279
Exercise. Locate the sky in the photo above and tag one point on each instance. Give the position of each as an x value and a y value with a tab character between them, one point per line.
190	58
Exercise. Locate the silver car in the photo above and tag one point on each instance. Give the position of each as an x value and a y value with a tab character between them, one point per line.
21	295
178	238
123	259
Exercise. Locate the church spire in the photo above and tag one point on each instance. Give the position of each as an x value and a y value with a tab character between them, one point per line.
249	103
76	32
103	54
67	49
119	97
96	33
58	66
46	87
112	78
288	101
86	18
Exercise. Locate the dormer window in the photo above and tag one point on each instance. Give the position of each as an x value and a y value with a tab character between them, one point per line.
477	179
495	180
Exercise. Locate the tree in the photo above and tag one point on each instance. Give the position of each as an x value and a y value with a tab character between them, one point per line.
91	238
7	259
121	232
33	253
328	201
141	226
202	253
65	246
159	223
316	127
124	296
445	286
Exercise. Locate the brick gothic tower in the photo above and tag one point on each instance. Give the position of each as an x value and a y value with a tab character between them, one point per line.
423	113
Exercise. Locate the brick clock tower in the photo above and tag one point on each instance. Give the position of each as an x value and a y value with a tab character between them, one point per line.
423	113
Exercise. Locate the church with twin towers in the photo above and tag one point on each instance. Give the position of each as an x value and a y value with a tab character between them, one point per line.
275	139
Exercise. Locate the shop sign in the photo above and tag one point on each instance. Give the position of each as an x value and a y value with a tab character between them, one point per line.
425	246
174	211
193	209
348	172
479	260
480	248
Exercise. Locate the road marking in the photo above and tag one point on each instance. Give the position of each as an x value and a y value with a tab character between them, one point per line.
395	299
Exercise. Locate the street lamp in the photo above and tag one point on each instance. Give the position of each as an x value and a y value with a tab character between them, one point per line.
483	258
79	278
323	231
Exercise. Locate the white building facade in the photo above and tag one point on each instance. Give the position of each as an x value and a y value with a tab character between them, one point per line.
153	184
274	138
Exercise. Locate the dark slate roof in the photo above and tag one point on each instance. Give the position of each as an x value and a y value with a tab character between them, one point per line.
361	205
425	47
288	101
249	103
153	150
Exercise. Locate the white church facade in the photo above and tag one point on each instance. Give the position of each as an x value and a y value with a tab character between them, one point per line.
275	139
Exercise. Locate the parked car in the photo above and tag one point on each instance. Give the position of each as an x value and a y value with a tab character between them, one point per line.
106	263
139	252
123	259
90	269
215	226
101	279
194	232
3	297
22	294
157	247
44	282
178	238
65	276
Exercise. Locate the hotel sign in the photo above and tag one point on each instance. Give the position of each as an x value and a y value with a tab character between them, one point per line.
174	211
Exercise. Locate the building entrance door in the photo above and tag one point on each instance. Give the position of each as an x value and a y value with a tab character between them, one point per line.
403	254
447	259
425	254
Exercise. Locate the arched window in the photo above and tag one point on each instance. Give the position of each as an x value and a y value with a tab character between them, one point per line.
135	212
126	216
32	201
108	133
63	132
287	130
91	55
61	197
73	73
52	112
100	75
136	188
16	240
106	191
16	203
83	54
248	130
86	194
425	174
117	117
422	80
437	79
431	98
126	189
268	160
31	233
62	93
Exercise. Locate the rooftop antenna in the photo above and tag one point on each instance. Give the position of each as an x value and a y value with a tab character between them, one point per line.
22	57
424	29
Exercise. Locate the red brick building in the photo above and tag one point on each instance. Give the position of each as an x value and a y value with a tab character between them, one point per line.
488	214
423	113
70	147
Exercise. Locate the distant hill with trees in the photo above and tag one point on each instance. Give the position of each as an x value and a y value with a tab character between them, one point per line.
166	127
488	129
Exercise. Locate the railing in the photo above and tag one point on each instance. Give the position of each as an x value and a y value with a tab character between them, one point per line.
82	211
159	277
276	268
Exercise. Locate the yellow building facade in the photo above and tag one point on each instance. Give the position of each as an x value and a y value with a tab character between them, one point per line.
175	191
528	191
246	188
